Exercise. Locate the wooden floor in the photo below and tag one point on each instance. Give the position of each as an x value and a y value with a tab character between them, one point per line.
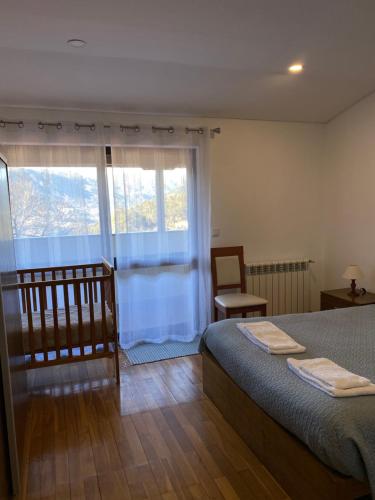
157	436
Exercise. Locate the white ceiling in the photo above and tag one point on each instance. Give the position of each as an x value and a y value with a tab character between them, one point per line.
221	58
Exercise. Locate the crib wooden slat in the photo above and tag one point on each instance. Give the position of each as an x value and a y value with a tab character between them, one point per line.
35	305
67	320
95	285
44	294
43	331
92	318
77	288
30	324
55	321
23	293
104	319
85	285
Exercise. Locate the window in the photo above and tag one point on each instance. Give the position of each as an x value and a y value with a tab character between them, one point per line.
145	200
175	200
134	204
54	201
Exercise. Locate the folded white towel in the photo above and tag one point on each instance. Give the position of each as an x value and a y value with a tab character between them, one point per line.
296	366
270	338
332	374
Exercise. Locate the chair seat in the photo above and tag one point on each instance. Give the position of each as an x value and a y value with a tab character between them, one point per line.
232	300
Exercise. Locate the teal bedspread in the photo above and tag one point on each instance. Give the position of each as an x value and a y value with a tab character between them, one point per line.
340	431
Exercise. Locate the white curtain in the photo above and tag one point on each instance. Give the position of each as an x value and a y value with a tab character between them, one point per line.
149	209
59	216
161	218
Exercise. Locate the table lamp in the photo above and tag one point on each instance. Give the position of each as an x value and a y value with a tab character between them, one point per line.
353	272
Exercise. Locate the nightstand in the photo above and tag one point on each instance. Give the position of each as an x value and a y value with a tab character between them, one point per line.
335	299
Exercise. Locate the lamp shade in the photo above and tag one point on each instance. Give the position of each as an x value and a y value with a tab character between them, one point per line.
353	272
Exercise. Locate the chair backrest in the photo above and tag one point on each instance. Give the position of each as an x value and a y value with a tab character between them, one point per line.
227	269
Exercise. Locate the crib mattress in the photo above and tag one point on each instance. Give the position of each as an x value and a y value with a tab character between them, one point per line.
61	319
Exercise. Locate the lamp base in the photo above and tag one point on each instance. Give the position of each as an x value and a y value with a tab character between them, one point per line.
353	289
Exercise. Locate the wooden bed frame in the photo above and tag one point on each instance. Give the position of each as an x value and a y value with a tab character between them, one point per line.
54	288
293	465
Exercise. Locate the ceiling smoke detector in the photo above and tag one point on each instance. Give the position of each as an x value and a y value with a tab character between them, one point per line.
76	43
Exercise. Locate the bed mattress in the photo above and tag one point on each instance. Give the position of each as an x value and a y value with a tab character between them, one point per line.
341	432
61	317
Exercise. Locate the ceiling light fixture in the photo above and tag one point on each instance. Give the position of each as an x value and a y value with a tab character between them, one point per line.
295	68
76	43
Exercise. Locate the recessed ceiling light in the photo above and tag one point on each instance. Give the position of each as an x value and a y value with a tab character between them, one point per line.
76	42
295	68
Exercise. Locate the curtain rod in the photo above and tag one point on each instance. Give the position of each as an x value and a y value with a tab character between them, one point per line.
124	128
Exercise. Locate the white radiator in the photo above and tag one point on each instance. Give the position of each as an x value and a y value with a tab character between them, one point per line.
285	284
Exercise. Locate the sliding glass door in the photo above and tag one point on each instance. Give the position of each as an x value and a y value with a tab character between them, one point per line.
153	220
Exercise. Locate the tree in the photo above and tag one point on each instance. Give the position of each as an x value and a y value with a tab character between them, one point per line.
49	202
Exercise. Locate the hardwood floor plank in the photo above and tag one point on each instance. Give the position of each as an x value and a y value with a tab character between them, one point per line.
113	485
238	484
91	488
205	480
130	448
142	476
226	488
156	436
203	453
161	476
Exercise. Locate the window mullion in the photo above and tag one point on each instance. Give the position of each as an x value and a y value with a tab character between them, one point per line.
104	207
160	199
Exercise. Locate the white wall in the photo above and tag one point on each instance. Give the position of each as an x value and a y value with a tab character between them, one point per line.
265	181
349	187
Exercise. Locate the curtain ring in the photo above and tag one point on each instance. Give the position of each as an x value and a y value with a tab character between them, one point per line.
170	130
20	124
41	125
77	126
198	130
59	126
2	123
92	127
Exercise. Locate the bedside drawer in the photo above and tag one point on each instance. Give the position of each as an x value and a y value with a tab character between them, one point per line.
339	298
327	302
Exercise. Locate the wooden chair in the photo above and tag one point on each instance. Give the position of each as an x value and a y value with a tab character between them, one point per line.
228	272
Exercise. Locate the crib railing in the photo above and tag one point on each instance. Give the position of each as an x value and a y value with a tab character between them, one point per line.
53	293
43	274
285	284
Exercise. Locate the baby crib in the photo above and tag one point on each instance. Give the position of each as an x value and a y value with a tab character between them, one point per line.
69	314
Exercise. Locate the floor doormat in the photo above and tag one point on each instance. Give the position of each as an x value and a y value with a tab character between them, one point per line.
148	353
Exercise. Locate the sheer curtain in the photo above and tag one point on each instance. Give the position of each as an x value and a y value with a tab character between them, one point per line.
159	190
149	209
59	216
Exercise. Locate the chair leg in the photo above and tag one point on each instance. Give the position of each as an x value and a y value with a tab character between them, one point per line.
216	314
263	310
244	315
227	314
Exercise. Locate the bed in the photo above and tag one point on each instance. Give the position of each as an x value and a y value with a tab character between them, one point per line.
315	446
68	314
